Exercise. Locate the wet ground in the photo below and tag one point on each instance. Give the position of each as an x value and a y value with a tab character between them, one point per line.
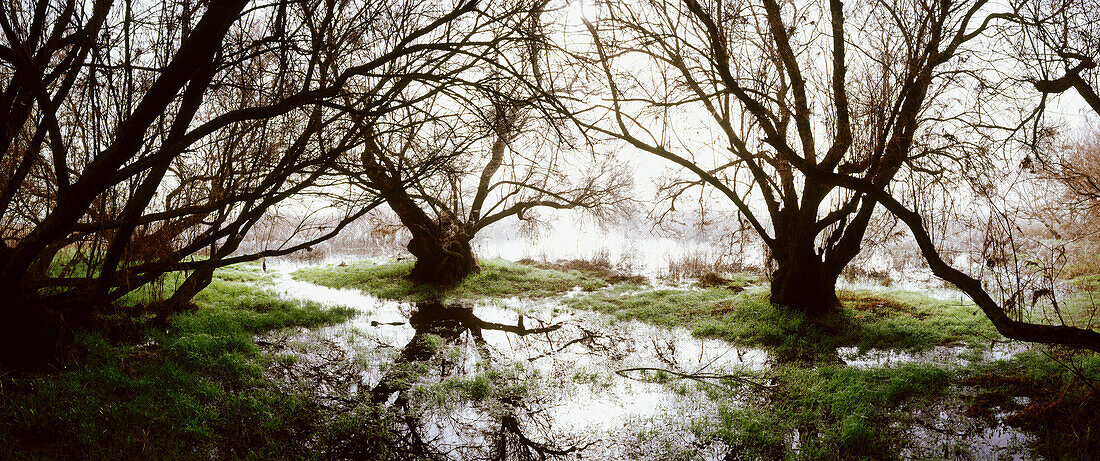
533	378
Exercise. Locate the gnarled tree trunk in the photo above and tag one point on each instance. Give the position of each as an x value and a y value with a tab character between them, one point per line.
443	253
442	248
806	276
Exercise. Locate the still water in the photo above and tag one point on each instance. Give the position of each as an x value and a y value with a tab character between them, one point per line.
517	378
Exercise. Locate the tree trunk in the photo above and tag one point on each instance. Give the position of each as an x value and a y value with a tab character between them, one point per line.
32	334
802	281
443	257
181	299
804	286
442	248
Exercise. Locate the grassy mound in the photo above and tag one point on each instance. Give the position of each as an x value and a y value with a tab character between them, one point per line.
888	320
498	278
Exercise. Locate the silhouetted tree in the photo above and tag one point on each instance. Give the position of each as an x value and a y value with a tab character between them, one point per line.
1058	47
742	91
142	141
1008	315
494	144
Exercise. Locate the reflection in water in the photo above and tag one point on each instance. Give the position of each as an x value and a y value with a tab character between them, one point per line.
455	324
515	378
530	379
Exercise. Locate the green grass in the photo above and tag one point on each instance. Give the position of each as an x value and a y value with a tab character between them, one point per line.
1086	282
744	279
497	278
162	288
888	320
508	382
834	411
1080	307
198	389
194	390
664	307
68	263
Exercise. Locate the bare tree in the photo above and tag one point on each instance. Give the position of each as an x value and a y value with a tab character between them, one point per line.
769	86
493	145
1008	315
140	141
1059	45
46	64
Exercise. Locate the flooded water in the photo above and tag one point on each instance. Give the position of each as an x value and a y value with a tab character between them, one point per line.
942	355
517	378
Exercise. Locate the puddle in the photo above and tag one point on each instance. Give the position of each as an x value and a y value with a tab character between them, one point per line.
943	432
941	355
531	378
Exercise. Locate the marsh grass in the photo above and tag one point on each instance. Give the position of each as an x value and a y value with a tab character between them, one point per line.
201	387
497	278
885	320
696	264
1083	259
194	390
598	266
68	262
817	408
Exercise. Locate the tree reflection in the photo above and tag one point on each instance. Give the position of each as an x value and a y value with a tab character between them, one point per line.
509	424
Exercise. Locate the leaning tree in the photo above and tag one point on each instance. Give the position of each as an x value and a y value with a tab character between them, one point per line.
494	141
144	140
744	91
1055	49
